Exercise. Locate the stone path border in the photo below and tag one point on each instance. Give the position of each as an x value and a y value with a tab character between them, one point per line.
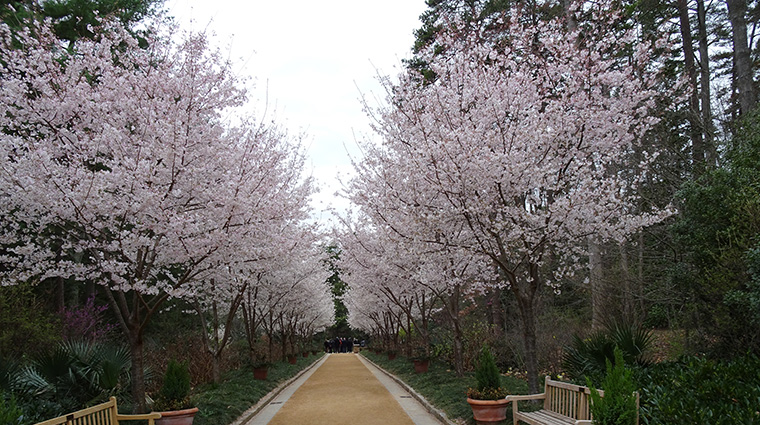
264	401
440	415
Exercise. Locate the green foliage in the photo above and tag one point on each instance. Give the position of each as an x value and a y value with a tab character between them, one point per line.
699	390
718	228
486	372
338	288
589	357
746	301
74	19
487	377
175	392
26	326
10	412
618	406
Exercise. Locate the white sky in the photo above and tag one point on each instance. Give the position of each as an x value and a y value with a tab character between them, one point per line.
315	58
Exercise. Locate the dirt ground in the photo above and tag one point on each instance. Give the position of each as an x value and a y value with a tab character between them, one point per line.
341	391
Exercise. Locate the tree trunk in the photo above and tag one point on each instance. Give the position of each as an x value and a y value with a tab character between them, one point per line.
596	283
526	307
138	377
60	294
640	274
704	69
408	336
695	127
216	370
132	322
628	298
458	334
743	79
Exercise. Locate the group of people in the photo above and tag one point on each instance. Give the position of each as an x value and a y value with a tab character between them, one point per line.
341	345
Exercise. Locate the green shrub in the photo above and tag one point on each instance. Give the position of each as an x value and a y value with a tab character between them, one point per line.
175	392
699	390
618	406
487	377
10	412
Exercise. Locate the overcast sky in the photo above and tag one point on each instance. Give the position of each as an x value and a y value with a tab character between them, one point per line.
315	58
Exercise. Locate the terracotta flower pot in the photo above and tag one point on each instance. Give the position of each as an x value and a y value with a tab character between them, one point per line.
260	373
489	411
305	354
391	356
313	352
421	366
177	417
292	359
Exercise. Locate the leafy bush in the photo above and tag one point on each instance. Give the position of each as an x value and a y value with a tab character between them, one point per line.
26	327
618	406
10	412
589	357
699	390
175	392
487	377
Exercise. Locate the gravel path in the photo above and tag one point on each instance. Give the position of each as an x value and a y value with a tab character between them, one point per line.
342	390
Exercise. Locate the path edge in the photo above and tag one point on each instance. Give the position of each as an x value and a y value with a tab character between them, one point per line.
439	414
264	401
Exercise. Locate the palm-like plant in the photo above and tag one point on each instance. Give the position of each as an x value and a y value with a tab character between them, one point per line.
77	373
589	356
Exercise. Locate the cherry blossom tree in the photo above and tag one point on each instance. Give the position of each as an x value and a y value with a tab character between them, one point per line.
291	285
260	227
515	153
415	278
118	165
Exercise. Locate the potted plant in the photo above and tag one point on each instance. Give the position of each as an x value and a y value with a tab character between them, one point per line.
261	368
421	360
488	399
292	359
392	354
173	401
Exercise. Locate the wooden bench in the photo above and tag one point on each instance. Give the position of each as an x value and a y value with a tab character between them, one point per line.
102	414
564	404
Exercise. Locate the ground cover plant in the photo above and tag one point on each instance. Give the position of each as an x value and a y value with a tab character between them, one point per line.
223	403
700	390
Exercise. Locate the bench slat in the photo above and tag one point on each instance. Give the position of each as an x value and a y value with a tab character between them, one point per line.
544	417
101	414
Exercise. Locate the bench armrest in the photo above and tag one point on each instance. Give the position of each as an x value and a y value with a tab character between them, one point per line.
526	397
147	416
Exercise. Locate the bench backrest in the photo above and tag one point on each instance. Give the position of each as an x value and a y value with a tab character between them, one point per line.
101	414
567	399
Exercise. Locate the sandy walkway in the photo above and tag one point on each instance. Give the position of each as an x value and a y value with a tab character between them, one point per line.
341	391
